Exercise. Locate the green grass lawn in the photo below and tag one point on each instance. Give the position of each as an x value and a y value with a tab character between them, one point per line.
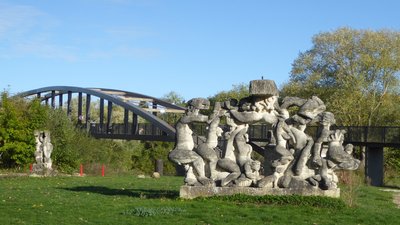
130	200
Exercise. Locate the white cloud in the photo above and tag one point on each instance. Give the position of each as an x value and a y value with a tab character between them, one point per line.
24	32
46	50
17	19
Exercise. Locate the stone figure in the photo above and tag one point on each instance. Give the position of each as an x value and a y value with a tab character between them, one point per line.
43	152
301	160
326	119
39	147
207	150
183	153
47	150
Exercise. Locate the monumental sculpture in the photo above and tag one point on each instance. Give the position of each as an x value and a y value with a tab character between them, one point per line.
297	161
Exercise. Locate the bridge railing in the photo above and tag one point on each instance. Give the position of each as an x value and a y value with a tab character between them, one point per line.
357	135
143	131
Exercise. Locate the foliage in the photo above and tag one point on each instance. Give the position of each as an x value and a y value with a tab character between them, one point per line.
145	155
63	135
392	166
174	98
18	121
355	72
294	200
237	92
151	211
73	146
351	182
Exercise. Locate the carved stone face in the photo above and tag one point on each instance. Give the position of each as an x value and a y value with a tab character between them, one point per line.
256	165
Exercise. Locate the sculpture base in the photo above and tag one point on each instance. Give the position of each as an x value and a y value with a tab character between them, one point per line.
190	192
42	170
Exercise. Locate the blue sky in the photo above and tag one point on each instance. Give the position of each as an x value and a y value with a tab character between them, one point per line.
195	48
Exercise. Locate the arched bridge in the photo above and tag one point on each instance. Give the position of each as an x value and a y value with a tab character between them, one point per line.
140	120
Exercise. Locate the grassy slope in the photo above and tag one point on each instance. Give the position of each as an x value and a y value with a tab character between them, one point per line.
106	200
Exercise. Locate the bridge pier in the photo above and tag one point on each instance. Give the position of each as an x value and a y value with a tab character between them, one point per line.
374	165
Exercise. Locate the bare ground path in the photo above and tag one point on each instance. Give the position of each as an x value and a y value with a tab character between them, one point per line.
396	196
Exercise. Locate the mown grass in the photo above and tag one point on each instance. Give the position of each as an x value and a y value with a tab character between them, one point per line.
130	200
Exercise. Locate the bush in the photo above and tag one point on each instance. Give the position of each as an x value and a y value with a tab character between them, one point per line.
297	200
73	146
146	211
146	153
18	121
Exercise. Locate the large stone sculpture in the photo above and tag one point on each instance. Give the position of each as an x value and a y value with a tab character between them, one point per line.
299	162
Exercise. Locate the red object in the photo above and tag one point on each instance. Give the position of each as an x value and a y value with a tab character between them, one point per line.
81	171
30	167
102	170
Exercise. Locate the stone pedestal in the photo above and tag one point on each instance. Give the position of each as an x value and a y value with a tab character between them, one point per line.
190	192
42	170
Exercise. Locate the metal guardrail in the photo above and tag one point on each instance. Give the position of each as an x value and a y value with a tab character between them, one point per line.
143	131
357	135
388	136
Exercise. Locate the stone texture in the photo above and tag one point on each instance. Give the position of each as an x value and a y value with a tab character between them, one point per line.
295	163
156	175
190	192
263	88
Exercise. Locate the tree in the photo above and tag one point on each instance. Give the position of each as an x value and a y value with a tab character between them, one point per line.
355	72
174	98
18	121
238	92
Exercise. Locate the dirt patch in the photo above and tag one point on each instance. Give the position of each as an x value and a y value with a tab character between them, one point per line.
396	196
396	199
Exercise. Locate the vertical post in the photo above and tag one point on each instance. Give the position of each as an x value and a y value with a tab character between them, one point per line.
102	170
87	109
374	165
60	100
109	116
80	118
135	124
269	156
53	99
69	103
154	128
101	115
81	170
154	107
159	166
126	121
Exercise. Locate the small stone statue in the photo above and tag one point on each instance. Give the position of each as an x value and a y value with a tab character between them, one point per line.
44	148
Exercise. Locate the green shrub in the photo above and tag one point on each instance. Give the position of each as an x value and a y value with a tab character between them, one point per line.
146	211
146	153
18	121
297	200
